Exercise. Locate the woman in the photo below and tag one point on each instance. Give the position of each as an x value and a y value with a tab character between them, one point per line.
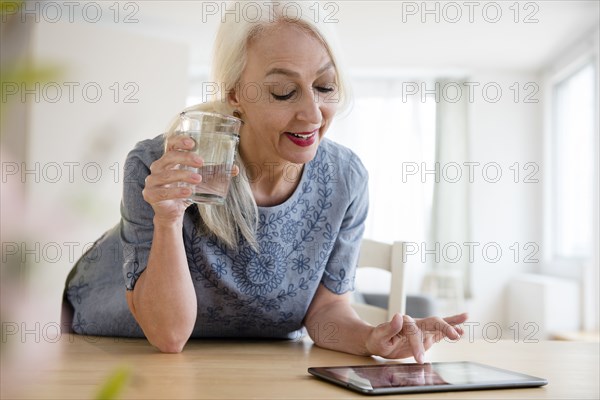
281	254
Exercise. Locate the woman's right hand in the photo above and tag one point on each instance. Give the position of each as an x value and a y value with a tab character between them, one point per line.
161	190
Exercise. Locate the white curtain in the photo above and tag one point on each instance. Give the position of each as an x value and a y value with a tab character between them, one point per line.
450	220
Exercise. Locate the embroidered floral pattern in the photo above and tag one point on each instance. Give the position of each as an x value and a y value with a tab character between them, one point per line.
289	230
133	275
301	264
76	292
260	273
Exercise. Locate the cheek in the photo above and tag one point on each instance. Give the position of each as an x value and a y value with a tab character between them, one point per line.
268	119
251	93
329	111
330	108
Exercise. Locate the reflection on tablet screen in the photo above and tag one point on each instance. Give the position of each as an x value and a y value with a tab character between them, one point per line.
398	375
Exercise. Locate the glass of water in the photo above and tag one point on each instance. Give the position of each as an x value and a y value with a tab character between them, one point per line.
216	137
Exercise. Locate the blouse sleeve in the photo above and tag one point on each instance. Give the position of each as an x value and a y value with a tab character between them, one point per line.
340	270
137	227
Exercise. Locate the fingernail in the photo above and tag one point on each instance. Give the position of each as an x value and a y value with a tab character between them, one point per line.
188	142
420	357
198	159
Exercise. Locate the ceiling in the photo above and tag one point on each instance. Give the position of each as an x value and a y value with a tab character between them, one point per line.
390	35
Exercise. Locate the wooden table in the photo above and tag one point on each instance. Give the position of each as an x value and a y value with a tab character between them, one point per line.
222	369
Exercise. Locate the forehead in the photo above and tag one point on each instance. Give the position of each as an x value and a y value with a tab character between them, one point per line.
287	46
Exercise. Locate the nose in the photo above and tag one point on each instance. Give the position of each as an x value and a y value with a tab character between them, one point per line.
309	108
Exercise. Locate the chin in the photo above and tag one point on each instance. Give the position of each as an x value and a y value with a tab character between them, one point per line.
303	156
302	159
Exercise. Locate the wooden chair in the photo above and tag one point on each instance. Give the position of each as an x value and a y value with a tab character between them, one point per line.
389	257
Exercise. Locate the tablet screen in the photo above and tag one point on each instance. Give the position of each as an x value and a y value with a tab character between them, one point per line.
434	377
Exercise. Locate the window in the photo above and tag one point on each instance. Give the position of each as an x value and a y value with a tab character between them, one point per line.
394	136
573	145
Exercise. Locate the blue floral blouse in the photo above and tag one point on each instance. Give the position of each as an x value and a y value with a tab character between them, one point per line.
312	238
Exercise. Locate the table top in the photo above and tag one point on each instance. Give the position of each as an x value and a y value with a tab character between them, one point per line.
266	369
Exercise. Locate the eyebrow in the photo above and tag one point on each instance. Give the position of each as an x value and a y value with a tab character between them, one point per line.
294	74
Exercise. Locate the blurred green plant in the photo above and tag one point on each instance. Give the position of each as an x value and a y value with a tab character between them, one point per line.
10	7
14	75
112	388
23	74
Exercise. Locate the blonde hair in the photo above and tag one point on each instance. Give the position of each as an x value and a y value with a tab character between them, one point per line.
239	214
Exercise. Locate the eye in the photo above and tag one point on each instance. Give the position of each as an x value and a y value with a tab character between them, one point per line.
284	96
324	89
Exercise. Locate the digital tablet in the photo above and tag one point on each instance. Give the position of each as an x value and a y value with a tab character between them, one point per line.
420	378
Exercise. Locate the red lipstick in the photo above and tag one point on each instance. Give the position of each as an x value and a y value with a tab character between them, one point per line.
303	139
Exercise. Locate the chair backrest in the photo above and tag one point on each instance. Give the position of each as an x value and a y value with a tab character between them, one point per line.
389	257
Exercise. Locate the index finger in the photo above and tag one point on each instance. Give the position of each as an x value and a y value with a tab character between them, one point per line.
180	142
415	338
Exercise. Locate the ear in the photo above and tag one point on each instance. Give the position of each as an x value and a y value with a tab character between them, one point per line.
232	98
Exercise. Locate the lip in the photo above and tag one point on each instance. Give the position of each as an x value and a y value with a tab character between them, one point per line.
303	142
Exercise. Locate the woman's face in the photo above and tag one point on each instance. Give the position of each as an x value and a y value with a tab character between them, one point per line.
287	96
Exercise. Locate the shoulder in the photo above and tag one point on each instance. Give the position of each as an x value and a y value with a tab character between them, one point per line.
139	159
147	151
344	161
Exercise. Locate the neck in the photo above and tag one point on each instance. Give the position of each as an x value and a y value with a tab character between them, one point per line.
273	180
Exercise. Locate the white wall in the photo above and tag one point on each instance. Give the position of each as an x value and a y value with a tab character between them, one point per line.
505	212
74	138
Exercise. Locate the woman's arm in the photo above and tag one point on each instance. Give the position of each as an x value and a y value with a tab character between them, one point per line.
332	323
163	300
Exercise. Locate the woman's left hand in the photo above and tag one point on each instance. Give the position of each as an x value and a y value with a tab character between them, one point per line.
404	336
